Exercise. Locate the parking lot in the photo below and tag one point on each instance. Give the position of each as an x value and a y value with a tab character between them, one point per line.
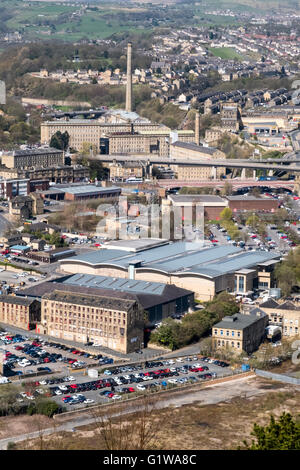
12	281
122	381
22	356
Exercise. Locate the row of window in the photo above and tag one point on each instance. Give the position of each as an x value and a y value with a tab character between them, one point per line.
83	309
232	343
233	333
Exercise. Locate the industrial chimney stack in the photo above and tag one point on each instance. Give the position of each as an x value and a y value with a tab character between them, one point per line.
197	128
129	79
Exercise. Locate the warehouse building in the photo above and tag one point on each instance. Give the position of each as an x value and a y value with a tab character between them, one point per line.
51	256
252	203
81	192
212	205
205	271
19	311
91	131
83	314
158	300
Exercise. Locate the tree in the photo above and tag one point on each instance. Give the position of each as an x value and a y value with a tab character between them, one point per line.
60	140
286	278
227	189
283	434
253	221
226	214
139	430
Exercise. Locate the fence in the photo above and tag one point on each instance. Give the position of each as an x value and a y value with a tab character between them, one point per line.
160	392
278	377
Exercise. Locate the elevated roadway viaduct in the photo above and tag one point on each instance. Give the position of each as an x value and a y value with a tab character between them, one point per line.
291	167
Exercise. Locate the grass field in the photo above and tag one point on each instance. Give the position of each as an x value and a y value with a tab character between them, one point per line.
59	22
225	53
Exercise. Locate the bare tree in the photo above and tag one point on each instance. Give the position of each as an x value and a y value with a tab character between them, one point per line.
137	428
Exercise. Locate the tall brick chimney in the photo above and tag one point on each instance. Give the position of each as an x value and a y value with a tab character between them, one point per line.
197	128
129	79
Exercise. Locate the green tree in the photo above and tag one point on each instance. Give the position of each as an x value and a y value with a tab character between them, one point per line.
226	214
283	434
253	221
60	140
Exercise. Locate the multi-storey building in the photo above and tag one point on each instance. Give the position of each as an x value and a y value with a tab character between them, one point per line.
122	171
286	315
155	142
190	151
80	314
57	174
32	158
20	311
240	332
231	116
14	187
90	131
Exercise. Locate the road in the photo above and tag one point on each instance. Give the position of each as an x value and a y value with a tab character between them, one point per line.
238	386
4	225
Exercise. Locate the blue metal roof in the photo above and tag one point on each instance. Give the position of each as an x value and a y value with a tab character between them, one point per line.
179	257
19	247
201	256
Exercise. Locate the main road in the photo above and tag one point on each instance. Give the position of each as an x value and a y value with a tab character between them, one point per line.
4	225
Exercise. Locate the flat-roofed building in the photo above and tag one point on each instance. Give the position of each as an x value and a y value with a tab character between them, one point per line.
252	203
83	192
19	311
82	315
14	187
212	205
31	158
240	332
181	150
51	256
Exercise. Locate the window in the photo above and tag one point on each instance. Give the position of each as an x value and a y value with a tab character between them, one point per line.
232	333
241	284
221	332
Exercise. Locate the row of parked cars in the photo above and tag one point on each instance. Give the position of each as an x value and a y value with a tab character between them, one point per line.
38	355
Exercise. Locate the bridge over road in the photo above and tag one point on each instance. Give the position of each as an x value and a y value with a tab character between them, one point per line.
227	163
